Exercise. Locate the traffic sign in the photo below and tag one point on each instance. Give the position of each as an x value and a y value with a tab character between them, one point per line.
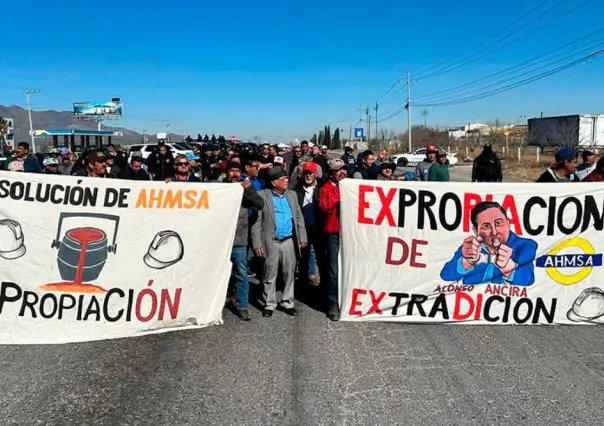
359	132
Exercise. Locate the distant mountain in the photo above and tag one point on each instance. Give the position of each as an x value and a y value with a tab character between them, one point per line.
66	120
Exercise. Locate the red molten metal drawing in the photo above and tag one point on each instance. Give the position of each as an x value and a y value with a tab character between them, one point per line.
89	246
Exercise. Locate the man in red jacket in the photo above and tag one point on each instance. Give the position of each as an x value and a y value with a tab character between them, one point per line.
598	174
329	202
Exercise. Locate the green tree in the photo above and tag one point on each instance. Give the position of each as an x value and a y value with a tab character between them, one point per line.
321	138
327	140
335	143
314	139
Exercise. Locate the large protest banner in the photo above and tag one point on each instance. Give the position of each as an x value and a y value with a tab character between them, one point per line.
88	259
472	253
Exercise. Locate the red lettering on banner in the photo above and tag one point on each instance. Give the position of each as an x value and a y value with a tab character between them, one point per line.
457	315
386	211
469	201
478	306
413	254
364	205
355	301
375	302
509	205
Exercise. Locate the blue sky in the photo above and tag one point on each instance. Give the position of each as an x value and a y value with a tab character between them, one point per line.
276	70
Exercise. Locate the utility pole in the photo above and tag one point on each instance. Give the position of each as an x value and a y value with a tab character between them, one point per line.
408	107
350	134
31	125
425	113
368	125
376	121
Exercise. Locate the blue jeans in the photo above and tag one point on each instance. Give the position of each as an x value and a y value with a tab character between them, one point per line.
312	260
239	276
333	252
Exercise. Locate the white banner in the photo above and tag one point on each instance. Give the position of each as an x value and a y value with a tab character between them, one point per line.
511	253
89	259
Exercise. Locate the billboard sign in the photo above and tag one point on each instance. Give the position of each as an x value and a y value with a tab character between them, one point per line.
97	109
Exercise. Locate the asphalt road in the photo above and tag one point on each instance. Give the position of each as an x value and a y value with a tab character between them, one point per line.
310	371
459	173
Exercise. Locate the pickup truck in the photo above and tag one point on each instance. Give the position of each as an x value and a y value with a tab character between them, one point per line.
412	159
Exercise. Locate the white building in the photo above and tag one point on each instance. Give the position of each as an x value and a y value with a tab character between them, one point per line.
474	129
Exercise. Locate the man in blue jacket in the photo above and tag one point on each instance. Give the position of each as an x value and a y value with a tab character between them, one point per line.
23	161
495	255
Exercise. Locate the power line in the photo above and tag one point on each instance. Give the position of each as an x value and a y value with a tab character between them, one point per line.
514	68
389	90
519	83
502	29
463	62
591	48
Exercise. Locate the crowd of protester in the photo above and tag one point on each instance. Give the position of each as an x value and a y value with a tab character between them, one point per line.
288	228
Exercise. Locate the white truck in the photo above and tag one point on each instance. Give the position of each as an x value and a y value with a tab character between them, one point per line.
578	131
417	156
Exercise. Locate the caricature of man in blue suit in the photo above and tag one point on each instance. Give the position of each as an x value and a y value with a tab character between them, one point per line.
495	255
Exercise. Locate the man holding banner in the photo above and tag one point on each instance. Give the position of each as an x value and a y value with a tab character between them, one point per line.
329	202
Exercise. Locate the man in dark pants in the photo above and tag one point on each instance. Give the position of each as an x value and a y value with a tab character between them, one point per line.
308	198
329	202
251	200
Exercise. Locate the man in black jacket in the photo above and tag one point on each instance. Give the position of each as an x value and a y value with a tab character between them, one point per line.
349	160
251	200
134	171
319	159
161	162
487	166
307	190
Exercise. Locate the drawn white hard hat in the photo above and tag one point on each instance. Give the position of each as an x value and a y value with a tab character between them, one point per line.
11	239
165	250
588	306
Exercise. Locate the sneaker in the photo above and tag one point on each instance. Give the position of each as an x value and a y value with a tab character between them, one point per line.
313	280
334	313
250	274
244	315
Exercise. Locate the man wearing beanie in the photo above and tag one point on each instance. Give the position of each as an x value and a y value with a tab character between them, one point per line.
240	286
278	236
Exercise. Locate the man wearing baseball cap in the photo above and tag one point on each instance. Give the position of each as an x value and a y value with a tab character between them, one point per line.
421	171
563	169
439	171
329	202
278	236
240	286
588	165
95	166
307	189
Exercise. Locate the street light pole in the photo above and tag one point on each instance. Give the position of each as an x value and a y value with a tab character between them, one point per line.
28	93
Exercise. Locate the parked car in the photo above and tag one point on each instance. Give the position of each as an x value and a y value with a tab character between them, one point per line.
417	156
147	149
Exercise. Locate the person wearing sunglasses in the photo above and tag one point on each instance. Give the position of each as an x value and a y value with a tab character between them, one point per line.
182	171
95	166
